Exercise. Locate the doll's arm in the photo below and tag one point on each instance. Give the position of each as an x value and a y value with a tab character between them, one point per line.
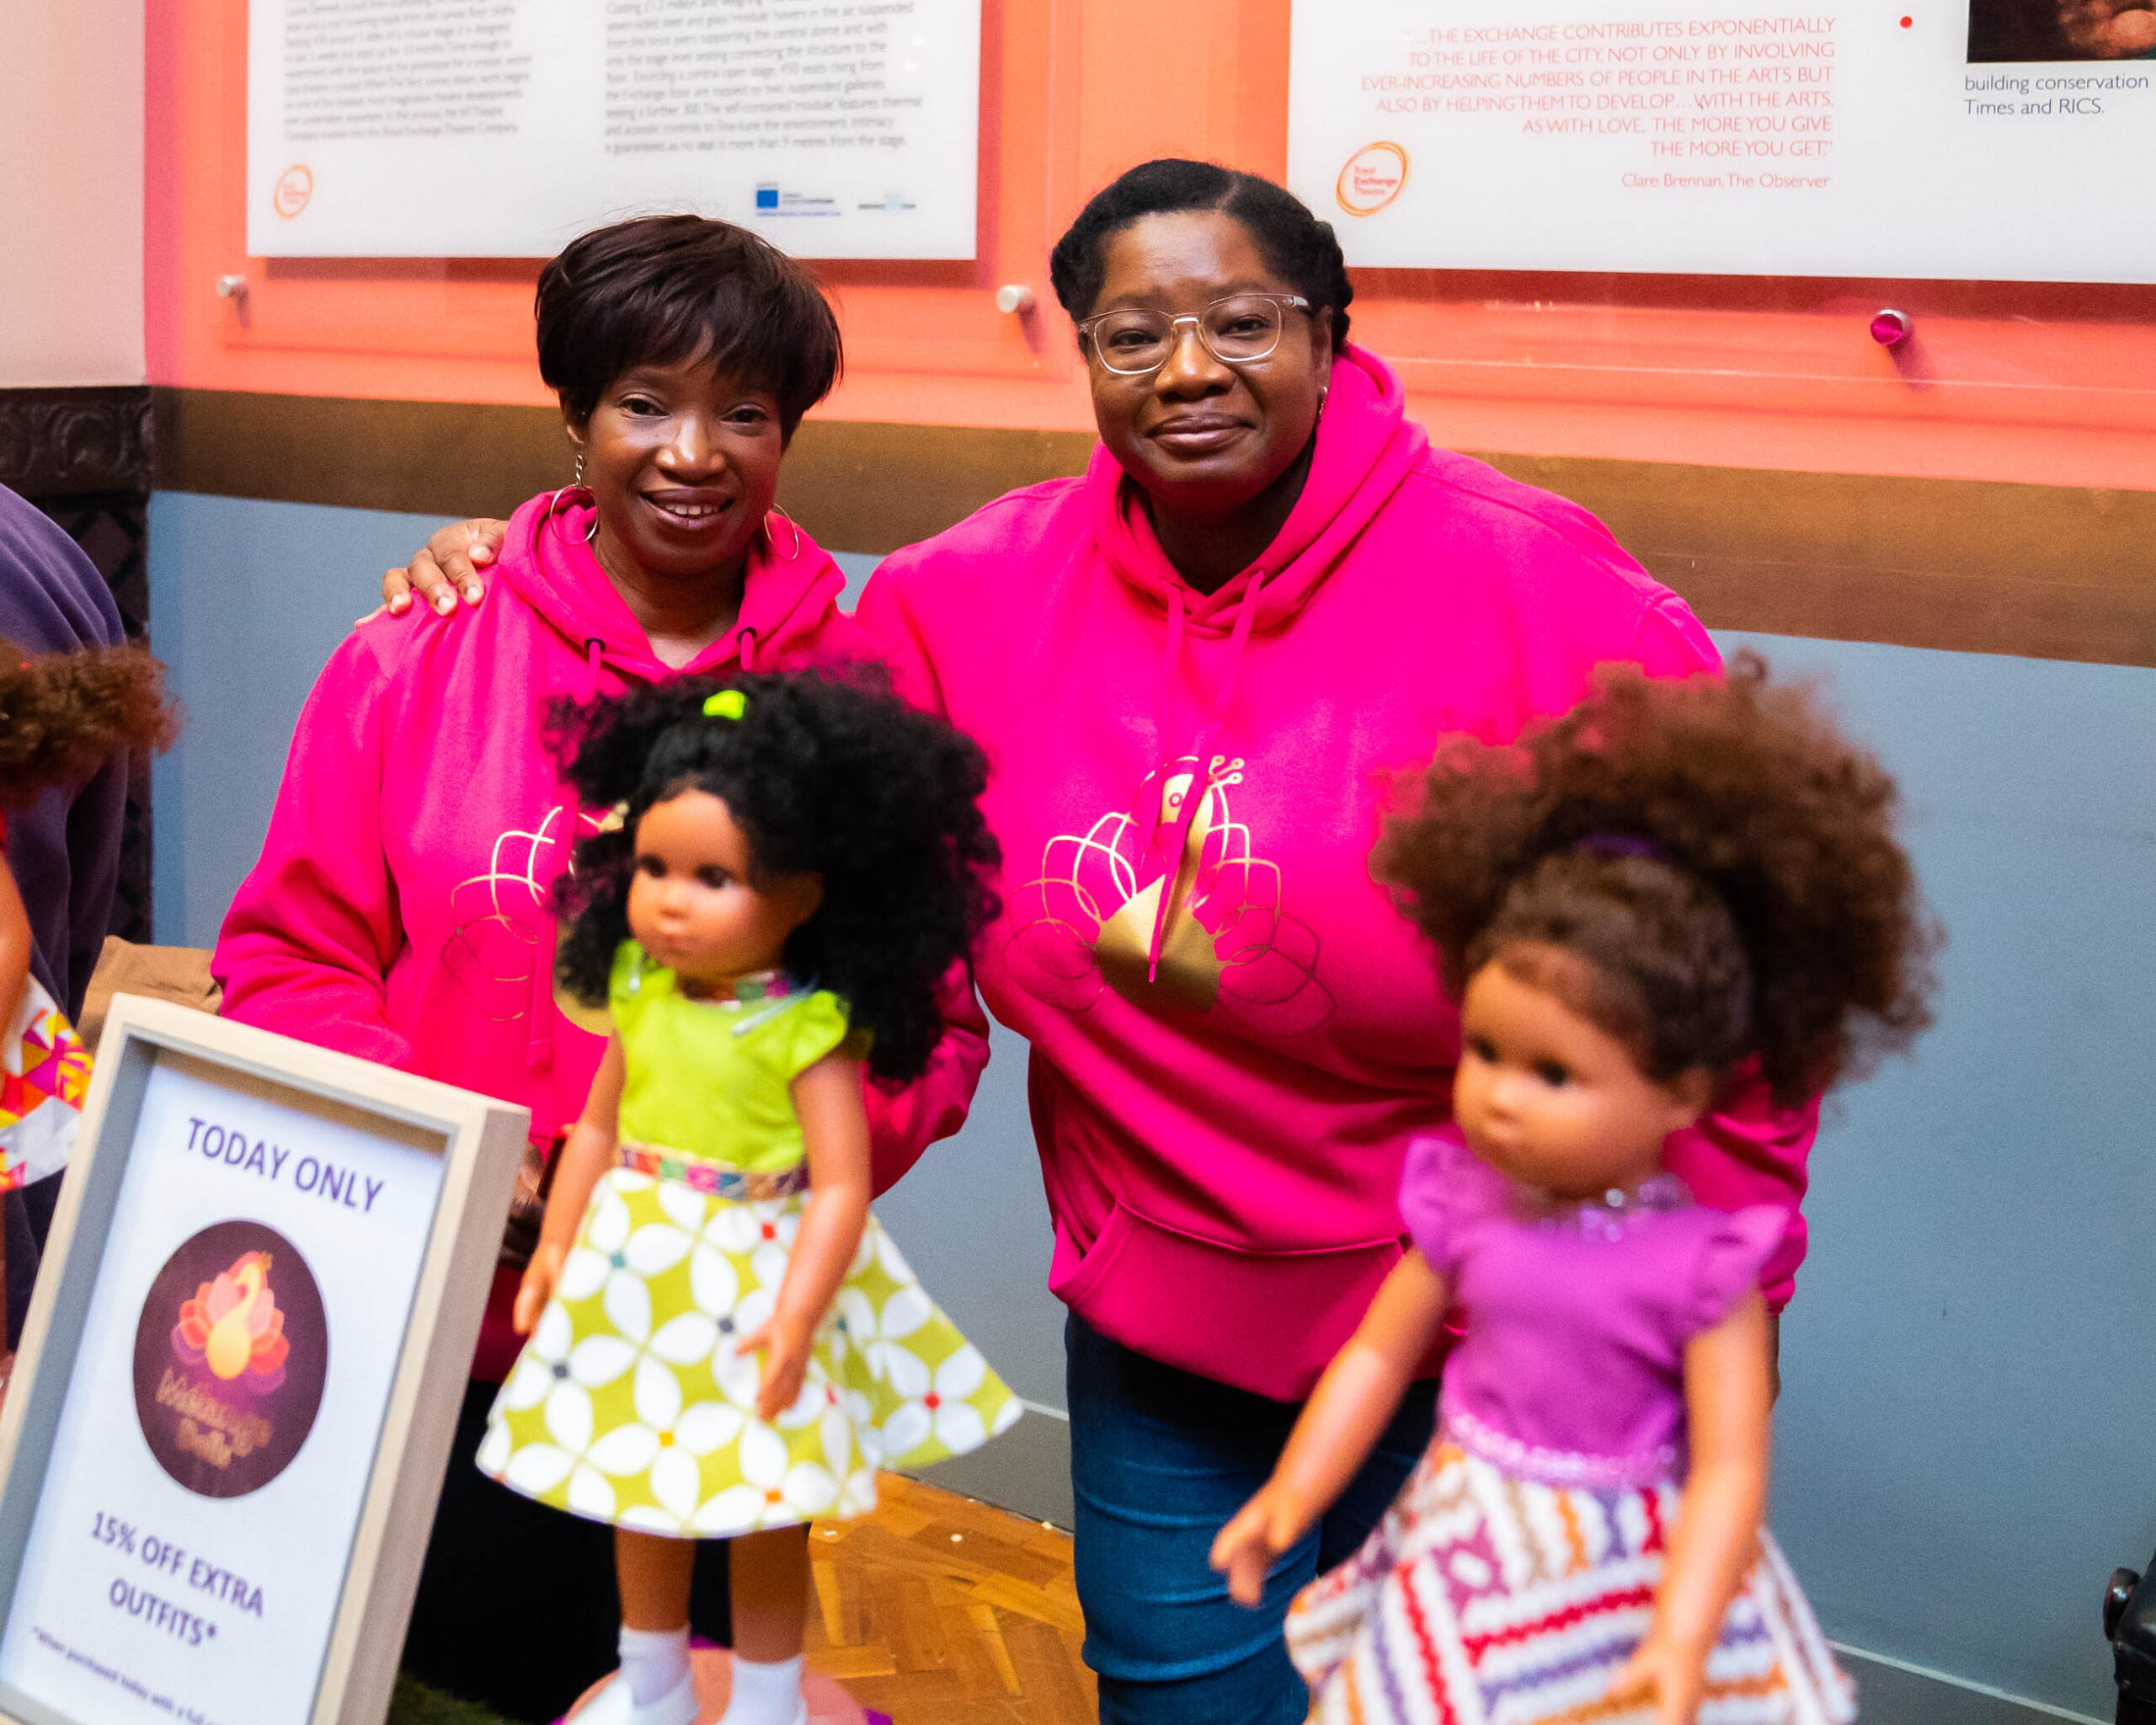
1716	1539
835	1128
586	1153
1354	1401
14	948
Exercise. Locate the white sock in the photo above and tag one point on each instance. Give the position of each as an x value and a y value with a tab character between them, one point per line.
653	1662
765	1694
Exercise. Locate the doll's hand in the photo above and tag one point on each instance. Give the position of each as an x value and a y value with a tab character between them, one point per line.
537	1287
1248	1546
786	1341
1669	1675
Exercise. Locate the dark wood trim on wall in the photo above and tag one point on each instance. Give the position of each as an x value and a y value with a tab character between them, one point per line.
75	442
2048	572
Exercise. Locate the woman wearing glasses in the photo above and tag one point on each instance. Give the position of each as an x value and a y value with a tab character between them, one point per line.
1192	668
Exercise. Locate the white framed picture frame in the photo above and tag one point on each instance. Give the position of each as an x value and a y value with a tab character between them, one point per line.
240	1379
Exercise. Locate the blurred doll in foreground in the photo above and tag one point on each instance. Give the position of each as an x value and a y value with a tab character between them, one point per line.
1674	878
61	714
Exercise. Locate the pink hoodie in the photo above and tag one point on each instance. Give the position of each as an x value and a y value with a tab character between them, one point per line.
398	911
1222	1143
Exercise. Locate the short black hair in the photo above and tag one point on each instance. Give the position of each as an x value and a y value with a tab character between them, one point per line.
828	774
1297	247
662	288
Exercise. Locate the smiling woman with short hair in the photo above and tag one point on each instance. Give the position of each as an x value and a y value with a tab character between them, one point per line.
399	909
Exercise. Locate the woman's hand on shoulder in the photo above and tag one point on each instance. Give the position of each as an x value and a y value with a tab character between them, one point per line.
446	568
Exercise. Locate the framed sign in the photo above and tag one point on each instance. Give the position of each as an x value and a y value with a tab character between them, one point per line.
1726	136
240	1379
454	129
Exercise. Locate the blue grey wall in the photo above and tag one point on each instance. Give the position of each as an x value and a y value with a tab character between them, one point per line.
1967	1394
1964	1435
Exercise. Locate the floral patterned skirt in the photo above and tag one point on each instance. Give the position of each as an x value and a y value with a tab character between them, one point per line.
630	1404
1484	1599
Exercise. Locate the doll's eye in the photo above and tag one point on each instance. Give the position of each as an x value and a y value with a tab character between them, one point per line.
1554	1073
651	866
1483	1049
717	880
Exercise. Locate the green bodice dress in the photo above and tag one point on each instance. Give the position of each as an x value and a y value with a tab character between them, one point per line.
629	1404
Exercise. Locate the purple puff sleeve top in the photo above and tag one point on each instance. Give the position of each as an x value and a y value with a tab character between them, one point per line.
1572	1370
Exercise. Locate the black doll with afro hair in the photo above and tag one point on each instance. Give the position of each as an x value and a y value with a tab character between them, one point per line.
1723	860
827	775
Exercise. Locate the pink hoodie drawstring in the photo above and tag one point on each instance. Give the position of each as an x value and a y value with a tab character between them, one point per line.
1201	775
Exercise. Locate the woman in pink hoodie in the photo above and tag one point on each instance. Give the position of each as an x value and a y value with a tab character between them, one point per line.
1193	668
398	911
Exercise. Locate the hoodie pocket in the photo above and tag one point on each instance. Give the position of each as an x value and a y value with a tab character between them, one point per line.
1267	1321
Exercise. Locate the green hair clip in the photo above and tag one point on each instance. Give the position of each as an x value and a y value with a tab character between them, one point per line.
726	703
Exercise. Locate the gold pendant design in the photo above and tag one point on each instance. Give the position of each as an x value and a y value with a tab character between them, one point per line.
1087	920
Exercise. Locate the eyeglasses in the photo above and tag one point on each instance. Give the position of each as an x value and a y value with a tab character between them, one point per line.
1237	330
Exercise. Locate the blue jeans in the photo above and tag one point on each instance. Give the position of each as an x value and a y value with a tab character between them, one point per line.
1159	1460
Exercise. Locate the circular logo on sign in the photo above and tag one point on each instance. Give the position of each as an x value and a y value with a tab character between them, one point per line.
1371	179
293	187
230	1358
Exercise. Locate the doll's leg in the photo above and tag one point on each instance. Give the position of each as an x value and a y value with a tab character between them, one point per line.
771	1604
654	1579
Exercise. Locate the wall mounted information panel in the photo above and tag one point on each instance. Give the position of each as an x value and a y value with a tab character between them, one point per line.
240	1379
503	128
1946	139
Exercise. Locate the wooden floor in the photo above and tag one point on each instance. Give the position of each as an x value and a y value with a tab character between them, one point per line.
938	1610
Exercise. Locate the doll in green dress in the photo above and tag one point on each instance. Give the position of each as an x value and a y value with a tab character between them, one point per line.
723	1343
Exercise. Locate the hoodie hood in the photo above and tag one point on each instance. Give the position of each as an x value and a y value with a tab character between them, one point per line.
1366	446
791	587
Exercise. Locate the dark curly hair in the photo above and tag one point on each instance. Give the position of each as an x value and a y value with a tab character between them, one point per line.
1296	246
663	289
826	775
62	714
1719	857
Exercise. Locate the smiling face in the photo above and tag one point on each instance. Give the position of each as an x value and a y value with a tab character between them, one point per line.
695	905
1205	438
683	463
1554	1102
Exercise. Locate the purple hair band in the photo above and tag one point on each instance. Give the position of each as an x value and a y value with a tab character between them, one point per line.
1622	844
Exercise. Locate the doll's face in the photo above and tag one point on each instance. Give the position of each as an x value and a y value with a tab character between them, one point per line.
1555	1102
692	903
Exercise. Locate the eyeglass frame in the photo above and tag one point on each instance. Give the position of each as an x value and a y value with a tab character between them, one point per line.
1286	302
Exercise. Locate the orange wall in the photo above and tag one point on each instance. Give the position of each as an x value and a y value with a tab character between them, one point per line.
2056	385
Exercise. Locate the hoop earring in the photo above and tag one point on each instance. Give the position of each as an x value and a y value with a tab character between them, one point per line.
795	531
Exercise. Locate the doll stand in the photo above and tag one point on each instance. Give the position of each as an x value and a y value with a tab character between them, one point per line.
828	1703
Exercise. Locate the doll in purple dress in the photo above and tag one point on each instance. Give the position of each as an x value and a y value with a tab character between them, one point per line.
1676	879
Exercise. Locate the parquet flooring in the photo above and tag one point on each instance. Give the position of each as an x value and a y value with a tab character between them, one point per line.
938	1610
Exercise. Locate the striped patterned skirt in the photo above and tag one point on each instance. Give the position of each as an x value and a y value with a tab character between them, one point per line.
1484	1599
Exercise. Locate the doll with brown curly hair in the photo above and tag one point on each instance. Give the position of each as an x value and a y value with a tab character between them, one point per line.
61	715
1675	877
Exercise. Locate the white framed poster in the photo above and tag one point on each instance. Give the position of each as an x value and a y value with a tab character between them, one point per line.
240	1379
504	128
1726	136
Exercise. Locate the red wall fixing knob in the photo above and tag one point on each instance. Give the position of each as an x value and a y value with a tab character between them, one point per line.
1891	328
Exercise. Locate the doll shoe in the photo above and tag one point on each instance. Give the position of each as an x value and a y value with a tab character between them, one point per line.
614	1706
677	1706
